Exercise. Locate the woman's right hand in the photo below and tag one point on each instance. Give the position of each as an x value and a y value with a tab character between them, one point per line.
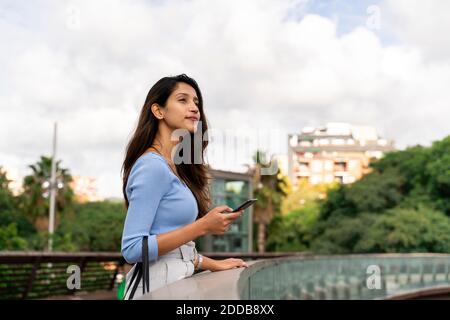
219	219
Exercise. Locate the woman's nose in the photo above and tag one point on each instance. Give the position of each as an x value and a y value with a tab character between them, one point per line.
194	108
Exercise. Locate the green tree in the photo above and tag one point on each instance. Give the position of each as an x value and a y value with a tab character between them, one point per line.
340	234
6	196
304	195
409	163
291	231
96	226
438	169
425	172
375	192
399	207
33	202
407	230
61	241
10	239
11	218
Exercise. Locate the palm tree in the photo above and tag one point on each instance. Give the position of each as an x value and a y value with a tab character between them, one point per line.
35	203
269	190
6	196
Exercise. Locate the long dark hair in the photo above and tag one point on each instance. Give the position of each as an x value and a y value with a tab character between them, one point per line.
193	174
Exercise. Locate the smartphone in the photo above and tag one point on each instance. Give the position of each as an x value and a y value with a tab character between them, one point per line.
245	205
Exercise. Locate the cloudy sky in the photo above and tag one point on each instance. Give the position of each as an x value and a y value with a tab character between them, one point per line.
263	66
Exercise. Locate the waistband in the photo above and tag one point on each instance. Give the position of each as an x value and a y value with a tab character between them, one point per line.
187	252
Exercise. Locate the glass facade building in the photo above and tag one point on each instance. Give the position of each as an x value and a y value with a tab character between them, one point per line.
231	189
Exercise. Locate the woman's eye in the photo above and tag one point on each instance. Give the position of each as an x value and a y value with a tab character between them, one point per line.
184	100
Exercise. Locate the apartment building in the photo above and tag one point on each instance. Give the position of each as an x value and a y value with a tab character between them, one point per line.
336	152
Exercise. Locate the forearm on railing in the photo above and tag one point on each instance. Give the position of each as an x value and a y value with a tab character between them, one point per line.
207	264
169	241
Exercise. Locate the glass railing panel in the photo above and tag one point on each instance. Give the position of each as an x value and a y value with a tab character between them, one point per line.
346	278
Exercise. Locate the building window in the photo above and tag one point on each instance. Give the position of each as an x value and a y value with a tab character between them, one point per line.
303	166
230	192
353	164
339	179
340	166
338	142
328	165
305	143
316	166
315	179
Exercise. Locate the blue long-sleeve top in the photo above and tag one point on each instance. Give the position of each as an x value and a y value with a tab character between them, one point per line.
159	202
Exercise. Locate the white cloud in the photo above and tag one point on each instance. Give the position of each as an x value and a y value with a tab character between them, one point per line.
423	24
90	64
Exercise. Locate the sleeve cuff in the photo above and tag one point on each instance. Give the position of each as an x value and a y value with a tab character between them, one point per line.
152	248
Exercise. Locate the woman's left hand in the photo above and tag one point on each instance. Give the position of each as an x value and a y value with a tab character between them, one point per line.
230	263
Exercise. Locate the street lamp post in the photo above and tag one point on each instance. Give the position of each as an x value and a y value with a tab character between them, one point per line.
53	188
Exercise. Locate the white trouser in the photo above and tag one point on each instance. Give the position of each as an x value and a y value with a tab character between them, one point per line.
170	267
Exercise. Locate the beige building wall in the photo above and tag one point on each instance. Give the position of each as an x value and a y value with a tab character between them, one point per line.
85	189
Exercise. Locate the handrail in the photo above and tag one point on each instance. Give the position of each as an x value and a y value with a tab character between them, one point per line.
206	285
27	274
401	273
39	274
35	274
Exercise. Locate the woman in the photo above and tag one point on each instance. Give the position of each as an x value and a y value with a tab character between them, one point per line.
168	201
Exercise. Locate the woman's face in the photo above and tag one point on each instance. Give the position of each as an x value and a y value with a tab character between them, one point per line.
181	110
